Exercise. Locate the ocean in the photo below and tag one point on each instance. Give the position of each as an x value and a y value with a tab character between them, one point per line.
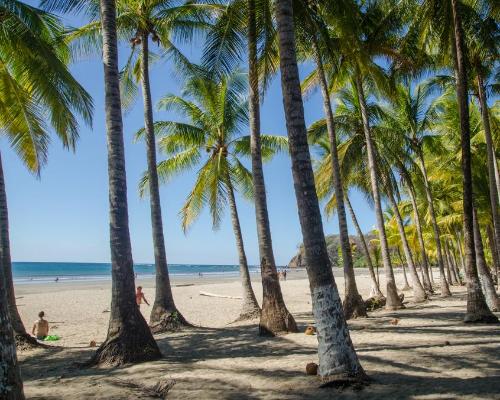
41	272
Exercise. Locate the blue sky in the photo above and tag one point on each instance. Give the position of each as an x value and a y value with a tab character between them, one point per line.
63	216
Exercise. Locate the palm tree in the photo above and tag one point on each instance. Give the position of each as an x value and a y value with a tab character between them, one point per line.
446	122
217	114
251	21
337	358
440	23
129	338
140	21
350	131
37	92
353	303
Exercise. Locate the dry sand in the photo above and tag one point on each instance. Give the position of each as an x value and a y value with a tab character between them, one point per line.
428	354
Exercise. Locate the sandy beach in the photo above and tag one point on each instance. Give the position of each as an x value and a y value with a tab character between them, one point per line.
421	352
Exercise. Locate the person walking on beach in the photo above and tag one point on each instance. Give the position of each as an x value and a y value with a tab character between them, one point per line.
139	296
40	327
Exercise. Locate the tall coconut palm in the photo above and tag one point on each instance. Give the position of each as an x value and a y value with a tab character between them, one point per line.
350	134
129	339
337	358
250	23
139	22
440	23
314	32
217	114
38	93
446	123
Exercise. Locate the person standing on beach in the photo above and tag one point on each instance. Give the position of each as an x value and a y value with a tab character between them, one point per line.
139	296
40	327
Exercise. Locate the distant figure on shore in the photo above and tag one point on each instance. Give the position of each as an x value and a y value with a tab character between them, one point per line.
56	280
139	296
284	274
200	274
40	327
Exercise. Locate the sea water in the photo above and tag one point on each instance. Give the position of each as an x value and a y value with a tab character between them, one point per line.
39	272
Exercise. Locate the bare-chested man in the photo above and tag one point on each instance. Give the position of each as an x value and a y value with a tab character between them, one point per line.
139	296
40	327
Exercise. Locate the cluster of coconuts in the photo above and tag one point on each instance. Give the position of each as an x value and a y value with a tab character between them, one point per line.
136	40
216	149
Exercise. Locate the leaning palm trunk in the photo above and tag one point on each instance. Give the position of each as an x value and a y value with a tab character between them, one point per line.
494	254
445	290
164	315
250	308
482	269
447	267
460	251
275	318
490	150
425	262
129	338
22	338
418	290
354	305
338	360
453	276
393	301
454	263
405	278
11	385
477	309
375	290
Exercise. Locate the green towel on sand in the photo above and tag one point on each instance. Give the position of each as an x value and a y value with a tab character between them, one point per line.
51	338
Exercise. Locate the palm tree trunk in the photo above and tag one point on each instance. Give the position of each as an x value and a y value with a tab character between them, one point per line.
375	291
477	310
22	337
494	252
445	290
421	242
460	251
250	308
337	358
454	263
129	338
393	301
418	290
487	284
453	276
405	278
354	305
164	314
447	266
11	385
490	150
275	318
497	178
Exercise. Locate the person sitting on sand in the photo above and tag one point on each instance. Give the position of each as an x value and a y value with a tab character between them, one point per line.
139	296
41	327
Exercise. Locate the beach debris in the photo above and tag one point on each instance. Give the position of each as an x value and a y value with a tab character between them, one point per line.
310	330
376	302
394	321
223	296
92	343
105	311
312	369
446	343
158	390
